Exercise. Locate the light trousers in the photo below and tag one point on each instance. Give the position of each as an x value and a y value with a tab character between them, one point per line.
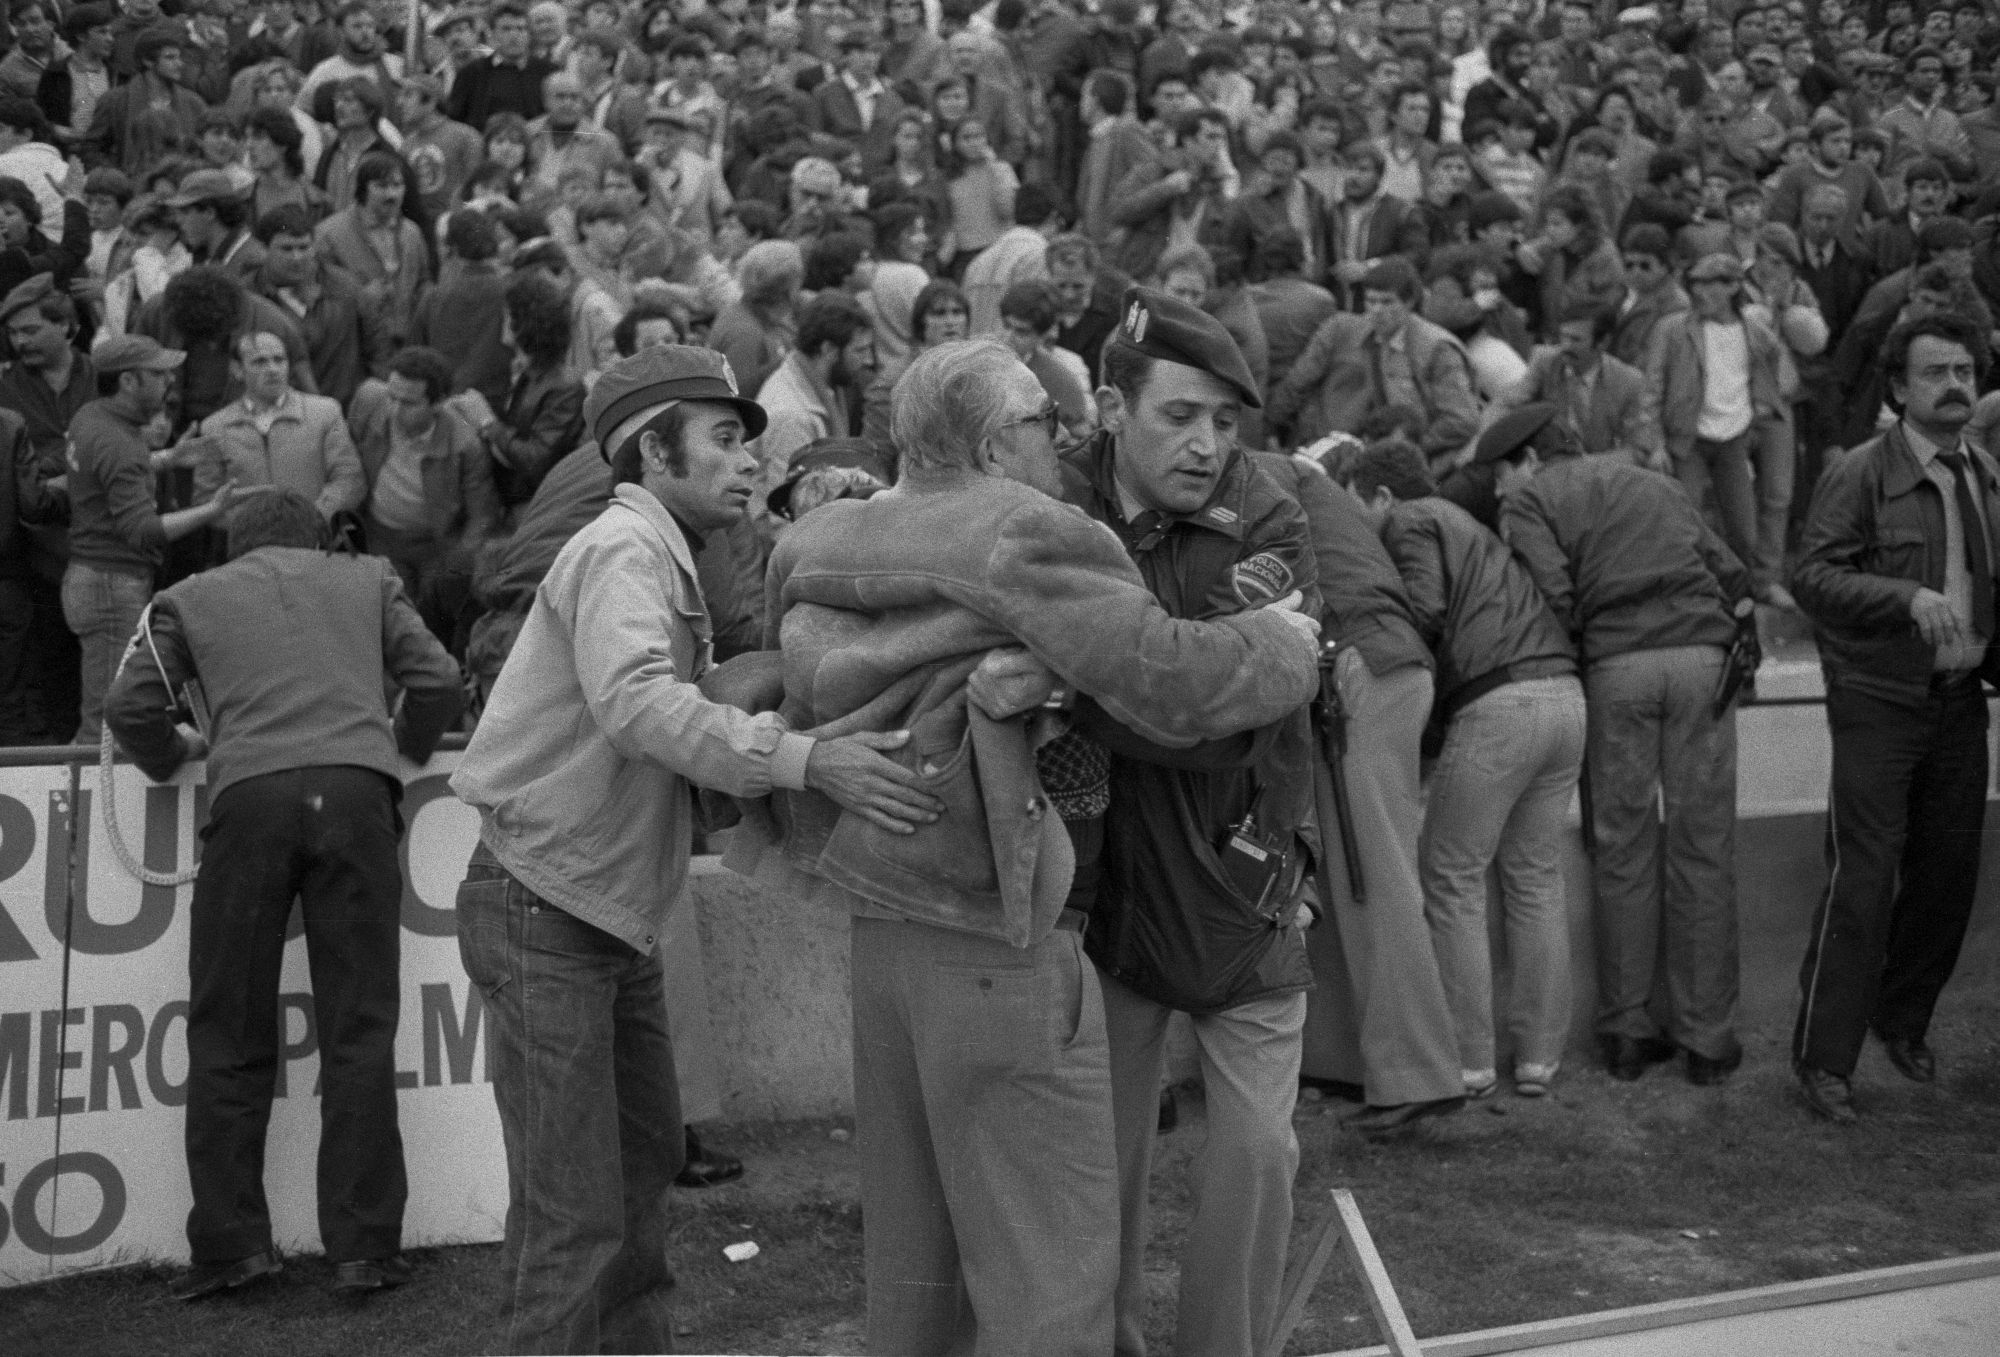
1499	794
989	1182
1378	1016
1233	1261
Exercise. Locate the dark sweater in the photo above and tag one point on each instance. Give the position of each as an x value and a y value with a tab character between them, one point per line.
112	522
290	647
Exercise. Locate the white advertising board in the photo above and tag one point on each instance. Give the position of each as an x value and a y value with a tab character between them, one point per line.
93	1059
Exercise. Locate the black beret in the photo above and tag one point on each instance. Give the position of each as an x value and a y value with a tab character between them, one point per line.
1167	328
1507	433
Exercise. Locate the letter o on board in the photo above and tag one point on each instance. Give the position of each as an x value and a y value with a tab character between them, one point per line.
110	1214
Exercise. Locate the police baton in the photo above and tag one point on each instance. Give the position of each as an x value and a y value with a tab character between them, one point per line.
1329	716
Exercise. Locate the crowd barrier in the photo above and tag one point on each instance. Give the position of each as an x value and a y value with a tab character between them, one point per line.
93	980
93	1062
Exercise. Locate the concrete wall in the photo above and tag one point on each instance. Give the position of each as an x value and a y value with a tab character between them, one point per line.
778	982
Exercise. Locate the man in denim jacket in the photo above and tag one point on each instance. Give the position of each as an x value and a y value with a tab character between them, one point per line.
582	772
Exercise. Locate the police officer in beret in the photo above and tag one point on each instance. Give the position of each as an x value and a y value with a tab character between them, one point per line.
582	771
1474	487
983	1090
1212	534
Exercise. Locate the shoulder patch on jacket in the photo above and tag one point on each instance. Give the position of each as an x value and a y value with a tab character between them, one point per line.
1261	579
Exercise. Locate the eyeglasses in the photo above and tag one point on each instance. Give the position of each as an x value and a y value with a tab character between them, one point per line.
1048	417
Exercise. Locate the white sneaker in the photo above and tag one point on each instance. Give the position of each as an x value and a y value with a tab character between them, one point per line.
1480	1083
1532	1080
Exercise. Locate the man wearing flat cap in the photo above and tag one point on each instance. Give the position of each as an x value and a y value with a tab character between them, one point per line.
213	214
582	771
116	538
953	605
1212	535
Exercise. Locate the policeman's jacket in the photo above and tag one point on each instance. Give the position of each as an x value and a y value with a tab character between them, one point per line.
1623	557
1169	922
1475	605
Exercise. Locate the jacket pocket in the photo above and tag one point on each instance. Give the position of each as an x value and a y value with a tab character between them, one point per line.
953	851
1170	923
1008	1019
1901	553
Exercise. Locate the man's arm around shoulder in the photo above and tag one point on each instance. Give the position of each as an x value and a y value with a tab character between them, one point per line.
1063	585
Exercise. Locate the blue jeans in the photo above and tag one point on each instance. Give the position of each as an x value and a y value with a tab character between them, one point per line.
1743	487
1664	883
583	1072
102	607
1499	794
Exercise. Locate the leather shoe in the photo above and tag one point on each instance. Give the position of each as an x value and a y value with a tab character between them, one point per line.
1705	1070
1374	1120
205	1279
359	1276
1827	1095
1627	1057
1912	1058
705	1167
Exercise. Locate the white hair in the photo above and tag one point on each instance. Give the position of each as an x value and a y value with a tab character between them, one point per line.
950	400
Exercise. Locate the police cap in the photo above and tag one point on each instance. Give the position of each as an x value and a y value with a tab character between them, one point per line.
655	378
1168	328
1511	431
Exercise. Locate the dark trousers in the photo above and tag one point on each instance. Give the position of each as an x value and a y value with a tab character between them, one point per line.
437	579
19	723
1904	821
326	836
54	664
590	1115
40	664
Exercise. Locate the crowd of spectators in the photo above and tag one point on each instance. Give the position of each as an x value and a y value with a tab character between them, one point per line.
380	254
1411	217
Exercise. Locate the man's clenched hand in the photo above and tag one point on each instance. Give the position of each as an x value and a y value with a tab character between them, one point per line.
1008	682
1289	607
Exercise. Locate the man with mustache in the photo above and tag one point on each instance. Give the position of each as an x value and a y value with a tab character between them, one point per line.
1896	572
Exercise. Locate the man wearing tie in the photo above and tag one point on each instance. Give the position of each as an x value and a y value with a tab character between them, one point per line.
1897	576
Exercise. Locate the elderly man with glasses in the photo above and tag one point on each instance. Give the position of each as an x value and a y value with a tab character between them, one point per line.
950	607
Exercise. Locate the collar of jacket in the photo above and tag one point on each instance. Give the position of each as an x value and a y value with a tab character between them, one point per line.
1902	472
448	433
642	503
289	407
1095	460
